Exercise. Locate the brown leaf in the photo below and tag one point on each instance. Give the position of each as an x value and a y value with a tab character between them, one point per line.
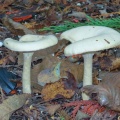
3	60
8	2
11	104
53	108
15	27
115	64
5	4
51	61
107	92
11	58
36	88
60	89
49	75
64	114
28	2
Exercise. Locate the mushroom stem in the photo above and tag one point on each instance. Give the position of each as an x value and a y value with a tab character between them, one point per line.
87	77
26	81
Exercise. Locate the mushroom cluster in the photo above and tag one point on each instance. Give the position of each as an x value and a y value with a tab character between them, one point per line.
86	40
28	44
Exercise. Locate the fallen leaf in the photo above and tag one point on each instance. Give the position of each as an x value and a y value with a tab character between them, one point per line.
49	75
11	104
29	25
51	61
64	88
15	27
64	114
80	115
36	88
3	60
53	108
115	64
107	92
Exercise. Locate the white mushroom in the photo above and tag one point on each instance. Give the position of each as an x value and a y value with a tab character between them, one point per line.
1	43
87	40
28	44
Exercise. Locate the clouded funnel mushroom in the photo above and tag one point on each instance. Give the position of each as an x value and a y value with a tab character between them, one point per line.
86	40
28	44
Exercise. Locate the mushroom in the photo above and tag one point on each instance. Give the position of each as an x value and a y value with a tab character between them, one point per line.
28	44
86	40
1	43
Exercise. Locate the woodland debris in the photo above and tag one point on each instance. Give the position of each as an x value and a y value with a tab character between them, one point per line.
107	92
64	88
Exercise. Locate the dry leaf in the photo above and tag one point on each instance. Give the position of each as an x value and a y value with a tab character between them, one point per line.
107	92
3	60
53	108
49	75
5	4
109	63
115	64
51	61
64	114
29	25
80	115
15	27
11	104
36	88
64	88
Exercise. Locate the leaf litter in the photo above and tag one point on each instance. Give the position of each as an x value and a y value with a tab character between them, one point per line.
22	17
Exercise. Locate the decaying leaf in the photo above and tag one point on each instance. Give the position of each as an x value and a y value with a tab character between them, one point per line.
49	75
30	25
53	17
3	60
107	92
53	108
11	104
36	88
64	114
5	4
15	27
64	88
52	61
109	63
105	63
28	2
80	115
115	64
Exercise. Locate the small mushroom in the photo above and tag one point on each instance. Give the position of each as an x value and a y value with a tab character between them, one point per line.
28	44
86	40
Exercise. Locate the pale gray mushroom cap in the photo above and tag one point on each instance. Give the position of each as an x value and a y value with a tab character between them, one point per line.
90	39
84	32
31	42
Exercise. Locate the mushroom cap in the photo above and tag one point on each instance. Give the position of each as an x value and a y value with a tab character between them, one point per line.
30	37
30	42
84	32
90	39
